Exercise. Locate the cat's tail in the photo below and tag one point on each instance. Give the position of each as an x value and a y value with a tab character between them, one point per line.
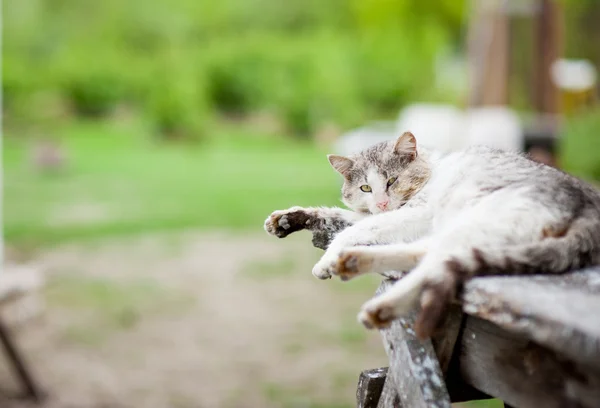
560	250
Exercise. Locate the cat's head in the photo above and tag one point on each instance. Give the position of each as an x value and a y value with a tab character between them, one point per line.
382	177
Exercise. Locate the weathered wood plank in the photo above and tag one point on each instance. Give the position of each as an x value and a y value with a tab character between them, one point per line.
511	367
559	312
377	389
370	387
413	364
389	396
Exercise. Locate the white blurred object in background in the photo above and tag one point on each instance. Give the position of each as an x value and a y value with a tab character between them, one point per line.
359	139
573	75
495	126
442	127
435	126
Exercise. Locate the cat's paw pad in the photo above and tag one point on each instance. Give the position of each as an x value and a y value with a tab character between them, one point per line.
324	269
351	263
375	314
283	222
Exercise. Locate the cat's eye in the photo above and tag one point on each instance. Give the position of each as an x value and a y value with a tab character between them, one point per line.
366	188
391	181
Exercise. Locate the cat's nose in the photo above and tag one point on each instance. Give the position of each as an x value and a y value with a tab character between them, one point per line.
382	205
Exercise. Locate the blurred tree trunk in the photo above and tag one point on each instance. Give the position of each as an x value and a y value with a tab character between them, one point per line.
583	34
548	48
489	56
492	46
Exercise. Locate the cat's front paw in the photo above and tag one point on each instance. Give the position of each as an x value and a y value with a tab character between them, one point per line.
324	268
281	223
351	263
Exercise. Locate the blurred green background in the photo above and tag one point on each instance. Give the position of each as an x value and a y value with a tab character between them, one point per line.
156	118
206	109
164	94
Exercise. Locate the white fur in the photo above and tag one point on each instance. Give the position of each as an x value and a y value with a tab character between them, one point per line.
378	192
384	258
381	229
447	217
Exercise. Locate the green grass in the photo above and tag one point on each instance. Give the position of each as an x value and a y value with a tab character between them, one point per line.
264	270
121	181
579	144
107	306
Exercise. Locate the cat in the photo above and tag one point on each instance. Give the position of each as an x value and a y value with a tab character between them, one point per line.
445	219
375	163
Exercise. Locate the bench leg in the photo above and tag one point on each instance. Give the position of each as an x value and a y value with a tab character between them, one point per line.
31	388
370	387
414	367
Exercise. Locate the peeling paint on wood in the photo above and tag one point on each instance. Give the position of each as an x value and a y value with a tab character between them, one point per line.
389	396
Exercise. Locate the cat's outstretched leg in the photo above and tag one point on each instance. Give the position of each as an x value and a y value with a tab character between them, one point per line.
475	244
281	223
433	284
360	260
402	225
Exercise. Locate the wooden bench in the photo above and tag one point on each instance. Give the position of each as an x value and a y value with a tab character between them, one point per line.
531	341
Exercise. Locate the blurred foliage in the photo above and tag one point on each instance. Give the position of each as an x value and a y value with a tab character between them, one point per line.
580	144
181	62
116	182
583	32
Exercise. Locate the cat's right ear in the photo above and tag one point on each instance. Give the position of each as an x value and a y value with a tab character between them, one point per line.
341	164
406	144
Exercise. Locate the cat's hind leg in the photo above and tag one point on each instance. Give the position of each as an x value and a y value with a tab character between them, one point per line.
434	286
360	260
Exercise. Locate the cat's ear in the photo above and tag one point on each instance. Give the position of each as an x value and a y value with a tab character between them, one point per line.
407	145
341	164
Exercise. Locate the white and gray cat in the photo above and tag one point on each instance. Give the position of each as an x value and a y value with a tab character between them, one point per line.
446	219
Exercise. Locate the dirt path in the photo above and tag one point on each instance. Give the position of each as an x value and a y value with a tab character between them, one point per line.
197	320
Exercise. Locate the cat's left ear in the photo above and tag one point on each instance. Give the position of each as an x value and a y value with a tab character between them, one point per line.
341	164
406	145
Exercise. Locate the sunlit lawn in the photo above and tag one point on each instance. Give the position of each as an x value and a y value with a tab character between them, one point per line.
121	180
